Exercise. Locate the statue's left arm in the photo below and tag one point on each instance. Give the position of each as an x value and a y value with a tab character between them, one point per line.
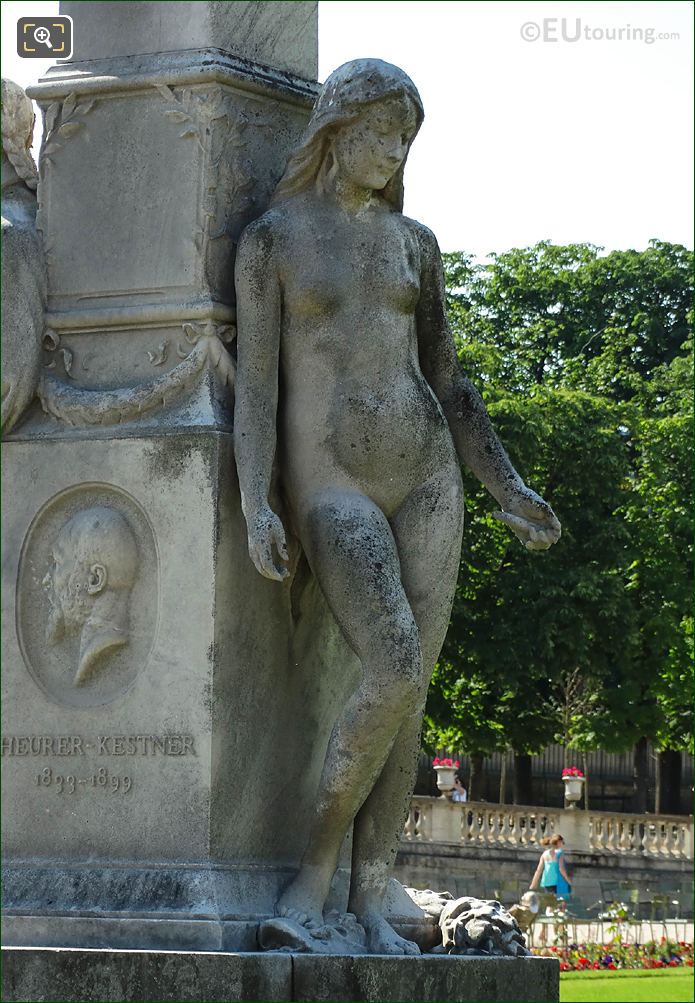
528	516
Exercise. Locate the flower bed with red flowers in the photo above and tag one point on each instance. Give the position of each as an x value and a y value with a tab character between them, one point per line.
656	954
453	763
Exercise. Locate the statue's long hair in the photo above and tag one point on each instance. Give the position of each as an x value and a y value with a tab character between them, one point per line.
344	95
17	129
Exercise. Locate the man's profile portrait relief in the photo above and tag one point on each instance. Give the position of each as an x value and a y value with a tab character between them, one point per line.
95	565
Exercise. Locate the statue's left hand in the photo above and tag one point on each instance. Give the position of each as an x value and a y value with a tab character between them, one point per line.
531	519
265	532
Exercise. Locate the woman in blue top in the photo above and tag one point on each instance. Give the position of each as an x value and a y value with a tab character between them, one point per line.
551	873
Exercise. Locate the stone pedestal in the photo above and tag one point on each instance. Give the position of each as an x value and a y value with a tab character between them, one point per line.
106	976
149	788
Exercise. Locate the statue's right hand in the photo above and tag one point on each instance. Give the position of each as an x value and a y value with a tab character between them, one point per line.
264	531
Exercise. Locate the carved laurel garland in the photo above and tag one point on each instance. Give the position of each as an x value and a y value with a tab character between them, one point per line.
61	121
79	406
223	148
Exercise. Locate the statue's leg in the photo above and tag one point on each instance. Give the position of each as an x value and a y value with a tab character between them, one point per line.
352	551
428	531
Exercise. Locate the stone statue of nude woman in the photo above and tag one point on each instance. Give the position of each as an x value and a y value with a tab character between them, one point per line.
348	374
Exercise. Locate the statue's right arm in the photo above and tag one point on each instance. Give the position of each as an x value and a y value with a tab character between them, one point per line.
256	395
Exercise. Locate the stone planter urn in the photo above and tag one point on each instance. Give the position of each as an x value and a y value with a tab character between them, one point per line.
446	776
574	787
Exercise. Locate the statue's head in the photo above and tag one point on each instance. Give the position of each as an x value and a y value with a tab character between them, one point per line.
17	131
365	119
95	564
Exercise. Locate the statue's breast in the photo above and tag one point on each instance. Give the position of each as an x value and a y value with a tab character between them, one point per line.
353	269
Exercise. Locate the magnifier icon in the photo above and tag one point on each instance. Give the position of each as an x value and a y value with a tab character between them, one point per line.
43	36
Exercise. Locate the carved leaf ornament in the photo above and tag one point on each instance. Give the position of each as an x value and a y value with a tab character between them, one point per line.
62	121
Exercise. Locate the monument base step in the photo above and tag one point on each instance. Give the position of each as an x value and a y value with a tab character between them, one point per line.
123	933
36	974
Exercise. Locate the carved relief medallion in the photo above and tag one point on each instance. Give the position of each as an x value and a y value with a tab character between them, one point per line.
87	595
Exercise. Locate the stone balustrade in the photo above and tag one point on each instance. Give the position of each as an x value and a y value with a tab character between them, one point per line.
471	824
667	836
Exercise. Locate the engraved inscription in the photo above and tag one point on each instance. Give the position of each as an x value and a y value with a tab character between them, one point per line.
43	745
146	745
100	745
102	780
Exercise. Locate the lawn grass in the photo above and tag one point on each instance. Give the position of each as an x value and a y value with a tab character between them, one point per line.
626	987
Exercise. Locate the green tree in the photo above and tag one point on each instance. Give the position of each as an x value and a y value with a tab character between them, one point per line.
584	364
660	578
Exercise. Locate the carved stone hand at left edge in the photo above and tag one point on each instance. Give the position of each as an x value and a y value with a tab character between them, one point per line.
23	264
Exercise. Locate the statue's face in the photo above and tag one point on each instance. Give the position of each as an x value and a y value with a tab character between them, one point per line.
371	149
70	602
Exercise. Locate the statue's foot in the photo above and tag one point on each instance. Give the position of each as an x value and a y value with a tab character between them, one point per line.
308	919
382	938
302	901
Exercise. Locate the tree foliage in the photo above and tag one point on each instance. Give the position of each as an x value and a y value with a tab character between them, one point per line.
585	364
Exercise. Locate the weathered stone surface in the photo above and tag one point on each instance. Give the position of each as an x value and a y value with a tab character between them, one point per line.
175	824
283	35
82	786
339	933
432	978
172	932
31	974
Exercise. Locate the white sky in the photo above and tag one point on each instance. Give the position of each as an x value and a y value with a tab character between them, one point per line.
523	140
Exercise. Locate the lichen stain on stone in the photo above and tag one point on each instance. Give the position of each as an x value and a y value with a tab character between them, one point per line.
170	457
